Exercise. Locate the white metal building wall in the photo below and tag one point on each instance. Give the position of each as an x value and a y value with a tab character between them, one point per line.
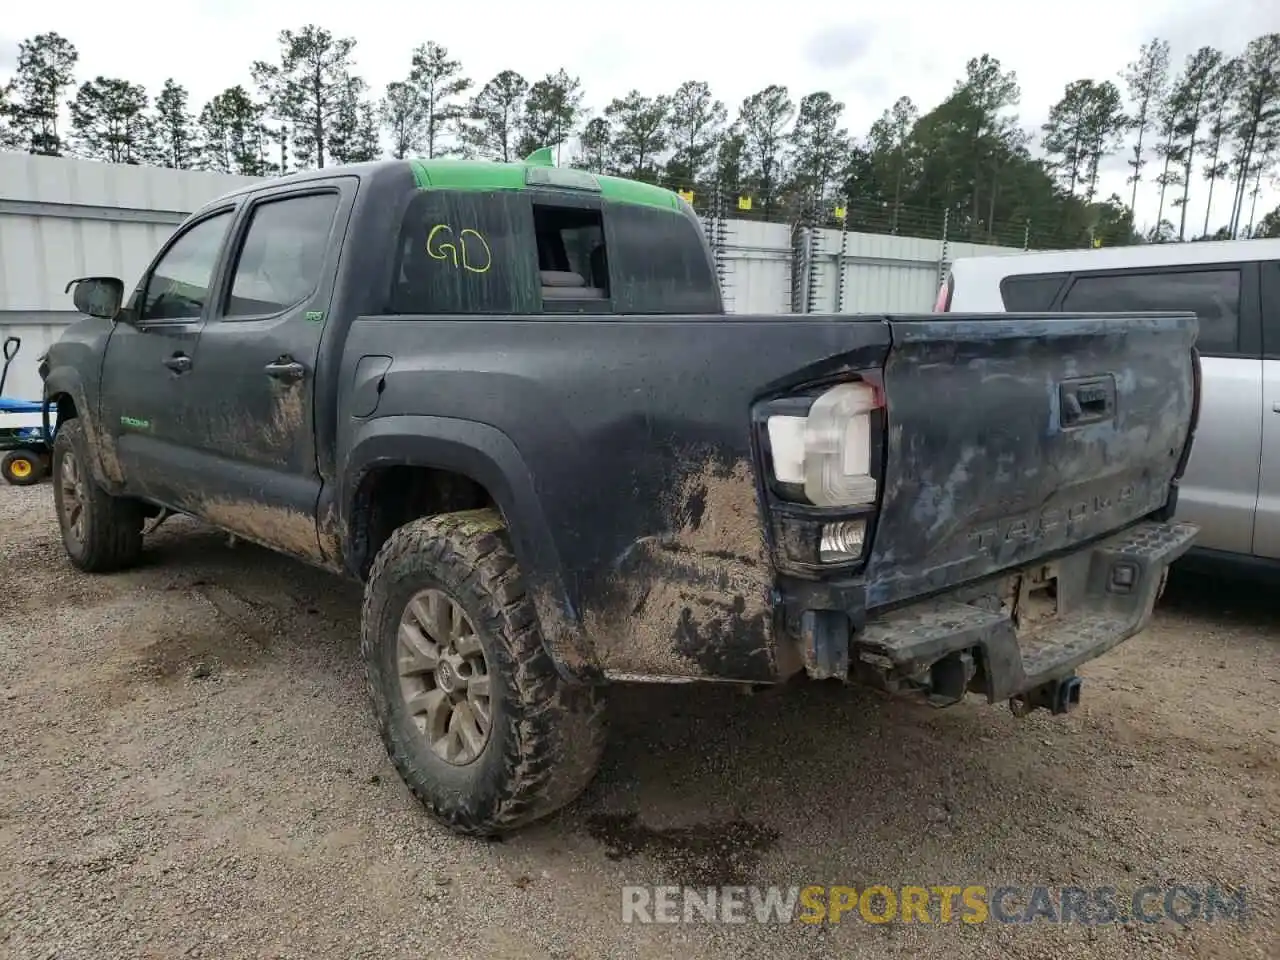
63	218
883	274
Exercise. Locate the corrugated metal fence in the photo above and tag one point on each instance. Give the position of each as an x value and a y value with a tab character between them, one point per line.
63	218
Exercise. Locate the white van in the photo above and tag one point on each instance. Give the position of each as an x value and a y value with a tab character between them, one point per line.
1232	484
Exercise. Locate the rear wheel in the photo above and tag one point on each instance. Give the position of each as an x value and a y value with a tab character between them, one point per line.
100	532
22	468
478	723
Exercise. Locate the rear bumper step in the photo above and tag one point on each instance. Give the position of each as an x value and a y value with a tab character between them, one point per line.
990	642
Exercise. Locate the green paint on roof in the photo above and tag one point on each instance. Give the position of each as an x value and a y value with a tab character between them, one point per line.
491	175
467	175
636	191
542	157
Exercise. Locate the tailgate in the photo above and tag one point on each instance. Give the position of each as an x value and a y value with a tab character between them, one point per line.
1013	438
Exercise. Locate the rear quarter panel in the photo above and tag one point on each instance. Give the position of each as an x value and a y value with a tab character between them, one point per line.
635	434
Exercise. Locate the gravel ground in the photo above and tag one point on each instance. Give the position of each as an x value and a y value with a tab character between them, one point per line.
187	768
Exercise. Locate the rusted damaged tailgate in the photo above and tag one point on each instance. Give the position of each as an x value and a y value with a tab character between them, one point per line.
1014	438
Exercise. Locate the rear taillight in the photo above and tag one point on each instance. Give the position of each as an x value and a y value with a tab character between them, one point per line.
943	303
823	454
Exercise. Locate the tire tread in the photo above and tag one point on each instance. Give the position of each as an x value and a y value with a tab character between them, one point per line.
560	730
113	538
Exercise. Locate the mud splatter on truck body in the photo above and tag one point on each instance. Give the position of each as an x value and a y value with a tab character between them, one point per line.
507	397
649	483
622	436
696	599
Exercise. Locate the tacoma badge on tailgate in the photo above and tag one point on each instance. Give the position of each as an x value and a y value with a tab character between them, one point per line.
1036	526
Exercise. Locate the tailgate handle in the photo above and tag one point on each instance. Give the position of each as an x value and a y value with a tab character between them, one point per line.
1087	400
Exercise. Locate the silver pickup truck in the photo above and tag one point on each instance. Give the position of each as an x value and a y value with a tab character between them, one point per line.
1232	485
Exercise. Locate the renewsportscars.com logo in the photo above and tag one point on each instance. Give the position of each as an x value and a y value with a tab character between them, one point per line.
940	904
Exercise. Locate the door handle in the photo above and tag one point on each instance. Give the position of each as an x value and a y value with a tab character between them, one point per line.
285	369
1275	407
178	363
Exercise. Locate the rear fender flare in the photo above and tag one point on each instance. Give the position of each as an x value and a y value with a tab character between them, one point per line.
487	456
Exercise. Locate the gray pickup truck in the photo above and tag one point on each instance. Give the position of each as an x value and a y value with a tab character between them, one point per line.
507	399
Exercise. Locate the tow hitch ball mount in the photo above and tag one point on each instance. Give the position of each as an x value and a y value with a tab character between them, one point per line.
1057	696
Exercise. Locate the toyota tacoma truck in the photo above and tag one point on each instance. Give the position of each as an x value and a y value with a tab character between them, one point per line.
507	399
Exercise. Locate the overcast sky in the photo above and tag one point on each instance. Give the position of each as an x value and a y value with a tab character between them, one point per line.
865	55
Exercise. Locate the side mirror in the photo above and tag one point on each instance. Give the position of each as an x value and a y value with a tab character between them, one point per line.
97	296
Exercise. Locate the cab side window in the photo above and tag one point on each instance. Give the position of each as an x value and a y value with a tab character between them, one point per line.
466	252
179	284
282	257
1212	294
659	262
1031	294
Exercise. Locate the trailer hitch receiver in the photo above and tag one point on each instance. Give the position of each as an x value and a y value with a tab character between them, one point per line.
1057	696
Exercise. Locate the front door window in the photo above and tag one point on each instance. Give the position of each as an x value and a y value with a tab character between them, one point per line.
179	284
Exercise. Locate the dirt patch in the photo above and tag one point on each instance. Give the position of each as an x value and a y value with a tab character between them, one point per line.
694	601
201	654
253	813
273	527
701	855
564	638
331	535
24	592
190	630
288	415
266	438
102	443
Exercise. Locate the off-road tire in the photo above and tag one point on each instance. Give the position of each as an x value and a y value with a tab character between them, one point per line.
11	468
112	525
547	735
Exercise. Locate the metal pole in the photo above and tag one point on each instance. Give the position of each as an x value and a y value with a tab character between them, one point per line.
844	248
719	231
943	257
814	250
796	251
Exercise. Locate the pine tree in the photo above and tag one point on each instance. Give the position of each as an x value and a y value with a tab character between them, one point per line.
819	144
308	88
233	136
1147	80
552	111
695	124
46	69
109	120
494	115
11	137
174	128
439	81
763	120
887	159
1218	113
595	147
354	136
404	117
639	126
1257	115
